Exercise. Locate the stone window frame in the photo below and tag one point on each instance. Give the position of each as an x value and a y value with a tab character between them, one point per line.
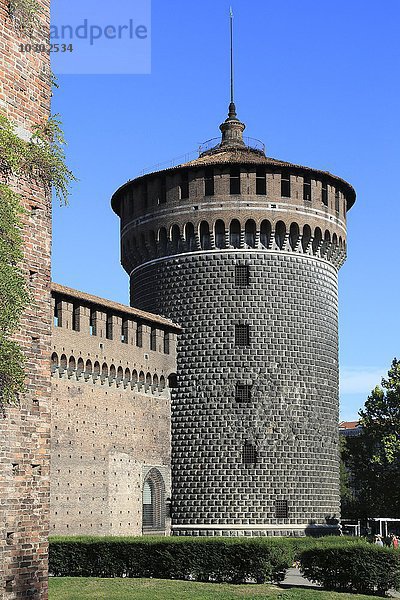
184	185
243	392
153	339
249	453
167	342
242	276
234	180
285	185
307	188
281	509
261	181
242	335
209	181
139	335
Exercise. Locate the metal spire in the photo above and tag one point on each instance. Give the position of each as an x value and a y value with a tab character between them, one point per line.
232	129
232	107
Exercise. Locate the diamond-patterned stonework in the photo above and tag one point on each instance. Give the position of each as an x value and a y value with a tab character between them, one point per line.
291	365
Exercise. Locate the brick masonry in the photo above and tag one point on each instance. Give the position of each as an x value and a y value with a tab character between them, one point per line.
111	415
25	430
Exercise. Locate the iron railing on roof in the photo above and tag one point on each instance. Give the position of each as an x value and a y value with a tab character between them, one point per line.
214	145
169	164
208	147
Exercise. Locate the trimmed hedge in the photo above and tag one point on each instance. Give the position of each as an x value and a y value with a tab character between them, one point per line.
360	567
233	560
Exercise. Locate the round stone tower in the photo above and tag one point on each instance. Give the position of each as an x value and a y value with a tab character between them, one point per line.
243	251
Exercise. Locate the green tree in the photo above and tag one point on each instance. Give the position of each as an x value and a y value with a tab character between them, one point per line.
380	418
372	459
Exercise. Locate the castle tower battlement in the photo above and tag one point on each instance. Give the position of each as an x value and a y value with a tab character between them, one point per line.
243	251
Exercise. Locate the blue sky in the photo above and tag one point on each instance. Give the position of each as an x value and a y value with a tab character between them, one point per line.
318	82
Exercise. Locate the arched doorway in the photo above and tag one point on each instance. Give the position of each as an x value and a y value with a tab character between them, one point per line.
153	514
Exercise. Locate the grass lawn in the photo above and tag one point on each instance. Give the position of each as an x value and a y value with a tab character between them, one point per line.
73	588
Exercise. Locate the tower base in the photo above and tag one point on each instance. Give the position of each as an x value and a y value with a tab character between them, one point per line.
276	530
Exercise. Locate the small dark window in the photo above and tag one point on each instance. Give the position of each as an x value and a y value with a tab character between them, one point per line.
184	185
153	339
242	335
209	182
205	238
166	342
139	335
109	327
145	194
337	199
76	326
242	276
249	454
325	193
57	313
172	380
261	181
307	189
235	180
281	509
92	322
242	393
124	331
163	191
285	185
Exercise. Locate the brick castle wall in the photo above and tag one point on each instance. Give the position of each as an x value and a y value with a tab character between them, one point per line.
25	430
111	414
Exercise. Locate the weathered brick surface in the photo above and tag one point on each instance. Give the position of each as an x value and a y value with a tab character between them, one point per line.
25	430
111	415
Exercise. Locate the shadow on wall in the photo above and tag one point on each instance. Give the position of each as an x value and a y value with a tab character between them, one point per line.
330	527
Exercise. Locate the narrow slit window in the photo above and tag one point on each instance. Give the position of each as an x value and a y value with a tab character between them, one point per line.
145	192
242	336
139	335
57	313
124	331
153	339
235	180
307	189
163	191
281	509
166	342
242	276
184	185
92	322
76	317
109	327
285	185
242	392
249	454
261	182
325	193
209	182
337	200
